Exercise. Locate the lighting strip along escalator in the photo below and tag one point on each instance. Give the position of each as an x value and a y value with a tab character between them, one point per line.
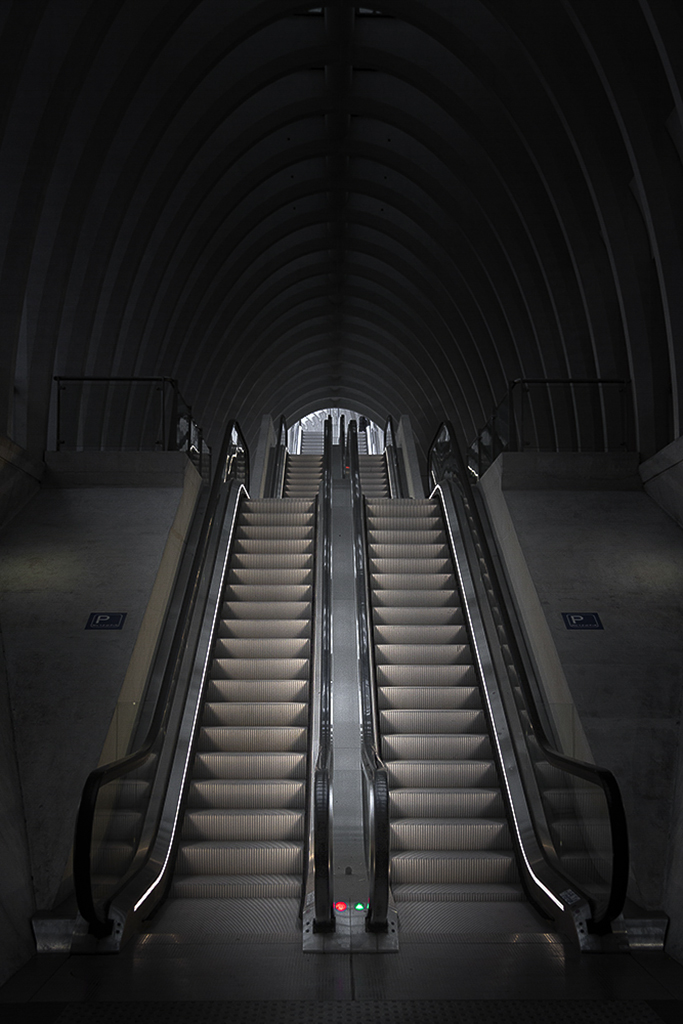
568	802
381	916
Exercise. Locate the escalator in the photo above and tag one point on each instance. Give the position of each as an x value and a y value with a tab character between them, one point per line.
450	839
243	829
225	807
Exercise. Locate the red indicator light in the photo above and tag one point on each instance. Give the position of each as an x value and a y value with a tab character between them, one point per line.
340	906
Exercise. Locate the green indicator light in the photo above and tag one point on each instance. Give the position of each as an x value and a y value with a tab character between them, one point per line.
359	906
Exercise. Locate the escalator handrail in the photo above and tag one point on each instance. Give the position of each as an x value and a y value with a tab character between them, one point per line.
224	479
601	777
278	463
322	770
374	769
391	458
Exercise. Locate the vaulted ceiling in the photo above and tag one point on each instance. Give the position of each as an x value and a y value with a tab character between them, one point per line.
394	209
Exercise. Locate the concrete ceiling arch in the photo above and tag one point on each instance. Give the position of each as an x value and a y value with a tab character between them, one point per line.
287	207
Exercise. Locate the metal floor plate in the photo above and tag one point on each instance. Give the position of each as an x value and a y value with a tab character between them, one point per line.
409	1012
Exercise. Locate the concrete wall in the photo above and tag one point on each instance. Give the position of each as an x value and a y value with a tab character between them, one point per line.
593	541
20	479
73	550
662	477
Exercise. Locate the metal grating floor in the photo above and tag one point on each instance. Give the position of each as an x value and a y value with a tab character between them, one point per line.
305	1012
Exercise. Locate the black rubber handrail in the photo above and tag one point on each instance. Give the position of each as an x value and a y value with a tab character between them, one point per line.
322	776
391	457
277	466
233	442
601	777
376	789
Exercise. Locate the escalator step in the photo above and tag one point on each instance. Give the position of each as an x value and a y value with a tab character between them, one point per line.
240	857
236	886
256	628
423	654
425	675
446	773
429	697
252	610
270	577
254	714
432	721
279	794
260	668
270	739
246	824
257	690
436	747
477	834
435	892
453	866
244	592
385	542
264	647
415	634
415	617
446	803
406	598
415	582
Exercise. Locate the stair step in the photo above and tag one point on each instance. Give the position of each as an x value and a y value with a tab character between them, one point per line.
255	714
420	634
469	772
247	592
417	617
423	654
426	540
270	577
422	721
461	834
256	887
255	648
272	628
257	690
425	675
429	697
270	739
446	803
280	794
277	547
266	610
407	598
217	764
244	824
272	561
462	892
260	668
267	857
491	866
415	582
436	747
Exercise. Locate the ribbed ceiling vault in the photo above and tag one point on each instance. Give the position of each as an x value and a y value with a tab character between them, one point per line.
287	207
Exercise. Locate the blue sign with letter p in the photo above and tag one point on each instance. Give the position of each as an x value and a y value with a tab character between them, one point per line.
106	620
582	620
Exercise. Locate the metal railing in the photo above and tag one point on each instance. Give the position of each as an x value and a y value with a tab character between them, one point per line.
375	777
126	414
579	817
318	881
556	415
121	805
